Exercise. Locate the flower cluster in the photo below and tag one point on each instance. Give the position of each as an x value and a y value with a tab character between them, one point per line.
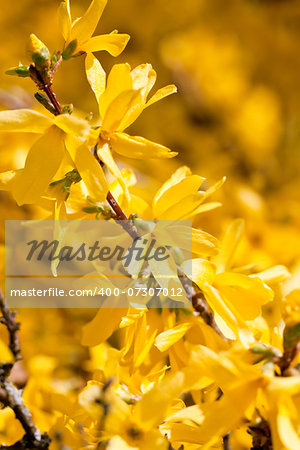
227	368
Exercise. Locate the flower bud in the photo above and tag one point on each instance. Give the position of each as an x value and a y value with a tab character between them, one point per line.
38	52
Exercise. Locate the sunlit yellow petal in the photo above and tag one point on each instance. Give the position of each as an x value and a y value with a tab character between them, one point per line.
113	43
230	317
286	430
95	75
166	339
230	242
157	400
205	207
41	164
118	80
83	28
143	77
202	271
246	294
64	19
138	147
118	109
103	324
162	93
203	243
88	168
274	275
184	209
105	155
220	418
174	192
24	120
72	125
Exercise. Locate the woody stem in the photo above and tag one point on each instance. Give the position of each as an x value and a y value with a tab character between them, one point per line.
10	396
52	97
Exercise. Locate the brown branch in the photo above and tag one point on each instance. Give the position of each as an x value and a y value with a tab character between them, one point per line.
226	442
9	320
10	396
261	436
52	97
285	361
197	299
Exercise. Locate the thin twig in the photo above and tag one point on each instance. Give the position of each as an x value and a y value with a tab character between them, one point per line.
261	436
197	299
9	320
10	396
285	361
226	442
52	97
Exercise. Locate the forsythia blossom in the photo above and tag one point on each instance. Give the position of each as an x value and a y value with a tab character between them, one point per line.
220	369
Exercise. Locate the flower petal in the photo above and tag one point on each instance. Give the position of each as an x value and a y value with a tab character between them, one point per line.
24	120
174	190
138	147
230	316
105	155
162	93
151	410
41	164
64	19
88	168
169	337
229	245
95	75
118	80
72	125
143	77
118	109
204	243
84	27
246	294
183	209
114	43
103	324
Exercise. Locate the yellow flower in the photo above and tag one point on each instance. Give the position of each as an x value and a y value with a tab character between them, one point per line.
235	297
78	33
239	383
282	396
139	427
121	100
291	307
180	197
48	152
